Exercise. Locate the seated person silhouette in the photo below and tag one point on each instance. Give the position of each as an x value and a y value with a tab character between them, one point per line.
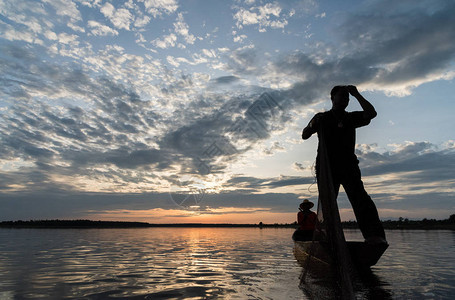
307	222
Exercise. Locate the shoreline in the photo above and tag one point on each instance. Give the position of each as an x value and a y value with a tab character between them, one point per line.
62	224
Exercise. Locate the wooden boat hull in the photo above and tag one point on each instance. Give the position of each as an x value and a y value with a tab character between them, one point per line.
363	255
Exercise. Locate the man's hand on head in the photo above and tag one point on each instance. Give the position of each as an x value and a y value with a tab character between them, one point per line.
352	89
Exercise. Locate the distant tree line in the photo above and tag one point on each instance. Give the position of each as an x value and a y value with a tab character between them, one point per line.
71	224
110	224
401	223
405	223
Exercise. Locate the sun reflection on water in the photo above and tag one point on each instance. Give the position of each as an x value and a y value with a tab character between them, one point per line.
202	263
154	262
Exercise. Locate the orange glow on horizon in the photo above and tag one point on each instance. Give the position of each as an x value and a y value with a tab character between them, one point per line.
229	215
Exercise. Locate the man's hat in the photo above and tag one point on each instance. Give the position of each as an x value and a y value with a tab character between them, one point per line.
306	204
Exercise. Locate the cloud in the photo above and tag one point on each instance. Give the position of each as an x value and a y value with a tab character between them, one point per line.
39	131
111	130
240	38
284	181
422	162
79	117
56	203
64	204
65	38
142	21
205	56
371	54
120	18
226	79
256	184
158	7
176	61
20	23
99	29
227	131
181	28
166	42
411	176
242	61
69	13
11	34
276	147
298	166
391	53
90	3
65	8
264	16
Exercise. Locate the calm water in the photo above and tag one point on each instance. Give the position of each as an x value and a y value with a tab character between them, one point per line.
203	263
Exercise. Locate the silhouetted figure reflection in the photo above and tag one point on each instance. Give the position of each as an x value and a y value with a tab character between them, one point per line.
321	283
339	129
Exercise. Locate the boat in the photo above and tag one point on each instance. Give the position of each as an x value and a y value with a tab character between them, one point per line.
319	278
329	249
363	255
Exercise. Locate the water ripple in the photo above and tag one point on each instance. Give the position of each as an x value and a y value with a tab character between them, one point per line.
201	263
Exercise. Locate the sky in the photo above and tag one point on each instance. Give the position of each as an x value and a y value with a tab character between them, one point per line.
169	111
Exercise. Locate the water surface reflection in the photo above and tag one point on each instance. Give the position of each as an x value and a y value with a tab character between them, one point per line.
419	264
207	263
148	263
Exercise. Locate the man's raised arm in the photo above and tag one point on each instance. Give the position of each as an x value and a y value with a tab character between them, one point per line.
368	108
310	129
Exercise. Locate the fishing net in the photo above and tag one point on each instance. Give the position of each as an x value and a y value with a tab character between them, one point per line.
329	229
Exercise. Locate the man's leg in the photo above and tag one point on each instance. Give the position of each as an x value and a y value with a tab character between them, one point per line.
364	209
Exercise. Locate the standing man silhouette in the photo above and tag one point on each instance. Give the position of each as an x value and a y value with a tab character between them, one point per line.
337	129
